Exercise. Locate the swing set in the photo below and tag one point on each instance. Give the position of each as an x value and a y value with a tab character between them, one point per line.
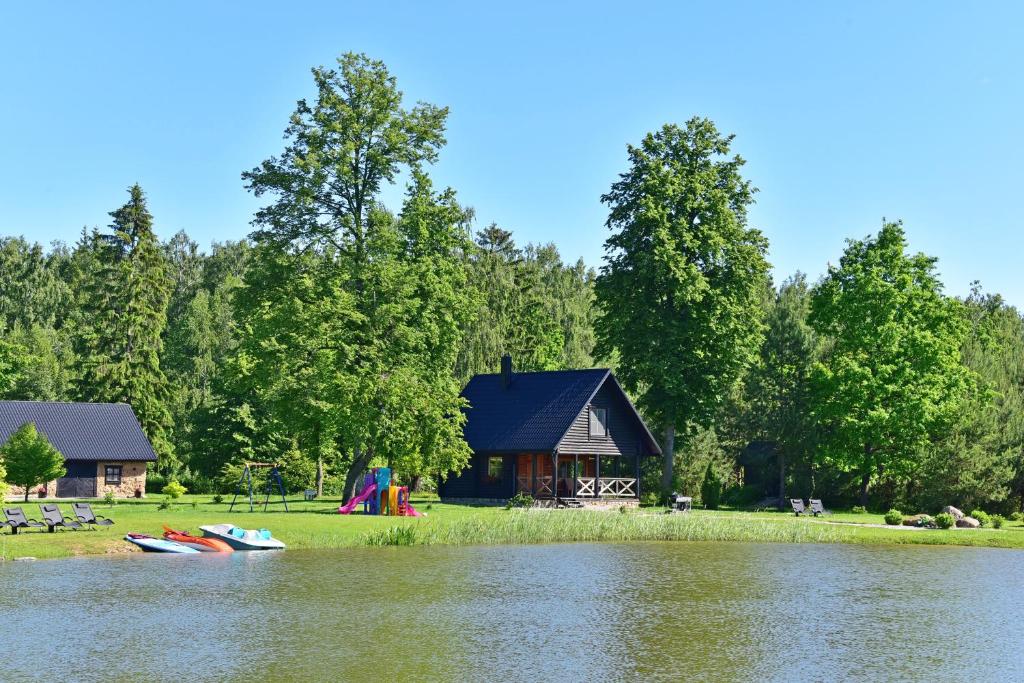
273	480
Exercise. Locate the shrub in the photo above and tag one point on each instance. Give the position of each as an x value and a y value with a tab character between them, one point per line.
997	521
1017	516
165	504
520	500
173	490
859	510
711	488
894	517
155	482
108	498
982	517
944	520
218	499
649	499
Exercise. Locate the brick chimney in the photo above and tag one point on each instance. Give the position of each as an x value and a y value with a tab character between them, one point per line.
506	371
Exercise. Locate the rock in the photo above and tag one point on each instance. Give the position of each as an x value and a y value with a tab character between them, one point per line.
914	520
957	514
968	523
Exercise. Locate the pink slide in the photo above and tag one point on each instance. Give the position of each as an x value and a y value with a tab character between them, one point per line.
412	511
348	507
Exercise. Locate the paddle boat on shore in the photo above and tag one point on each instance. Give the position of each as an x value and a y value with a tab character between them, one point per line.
200	543
149	544
242	539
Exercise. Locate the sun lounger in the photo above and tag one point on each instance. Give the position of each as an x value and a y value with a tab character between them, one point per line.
798	506
85	515
16	520
55	518
816	507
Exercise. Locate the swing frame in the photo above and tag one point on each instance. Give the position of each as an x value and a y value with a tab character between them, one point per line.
273	477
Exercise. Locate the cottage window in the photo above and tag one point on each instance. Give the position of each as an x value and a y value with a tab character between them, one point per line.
598	422
112	474
495	465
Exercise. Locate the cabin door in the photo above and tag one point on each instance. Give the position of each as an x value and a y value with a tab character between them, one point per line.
79	481
524	474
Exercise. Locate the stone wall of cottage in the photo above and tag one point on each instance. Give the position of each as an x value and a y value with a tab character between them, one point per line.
133	477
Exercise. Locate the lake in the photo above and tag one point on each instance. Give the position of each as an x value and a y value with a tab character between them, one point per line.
643	611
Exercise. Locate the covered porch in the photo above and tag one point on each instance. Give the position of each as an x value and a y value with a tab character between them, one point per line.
542	475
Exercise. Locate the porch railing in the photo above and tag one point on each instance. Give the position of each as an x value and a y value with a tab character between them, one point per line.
617	487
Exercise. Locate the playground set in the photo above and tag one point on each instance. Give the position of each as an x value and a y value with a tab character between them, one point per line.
273	484
380	497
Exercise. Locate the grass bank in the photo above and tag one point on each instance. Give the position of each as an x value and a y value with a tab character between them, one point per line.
316	525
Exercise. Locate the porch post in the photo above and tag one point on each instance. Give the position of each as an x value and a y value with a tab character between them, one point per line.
638	475
533	470
575	474
554	476
597	476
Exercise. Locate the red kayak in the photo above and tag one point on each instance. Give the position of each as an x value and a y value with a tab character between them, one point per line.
206	545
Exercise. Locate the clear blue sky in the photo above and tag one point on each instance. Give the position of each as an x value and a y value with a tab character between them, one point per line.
845	113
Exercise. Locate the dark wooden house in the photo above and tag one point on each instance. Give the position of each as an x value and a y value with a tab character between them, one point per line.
565	434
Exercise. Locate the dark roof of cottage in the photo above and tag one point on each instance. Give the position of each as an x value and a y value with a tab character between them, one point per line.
81	431
535	411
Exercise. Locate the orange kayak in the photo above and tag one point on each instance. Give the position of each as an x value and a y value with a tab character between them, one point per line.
208	545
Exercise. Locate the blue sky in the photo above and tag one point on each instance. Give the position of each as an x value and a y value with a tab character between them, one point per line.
845	114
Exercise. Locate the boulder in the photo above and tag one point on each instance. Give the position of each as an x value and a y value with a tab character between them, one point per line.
957	514
914	520
968	523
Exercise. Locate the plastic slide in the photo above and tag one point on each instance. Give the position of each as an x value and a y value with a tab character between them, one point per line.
411	511
365	494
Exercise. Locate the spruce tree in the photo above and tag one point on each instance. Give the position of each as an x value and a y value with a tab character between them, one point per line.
127	294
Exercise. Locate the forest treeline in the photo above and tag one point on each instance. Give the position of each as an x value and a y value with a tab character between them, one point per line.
340	332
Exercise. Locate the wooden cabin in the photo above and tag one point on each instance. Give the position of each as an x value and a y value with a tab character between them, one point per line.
565	434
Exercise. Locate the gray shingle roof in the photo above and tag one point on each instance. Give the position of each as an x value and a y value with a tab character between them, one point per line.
81	431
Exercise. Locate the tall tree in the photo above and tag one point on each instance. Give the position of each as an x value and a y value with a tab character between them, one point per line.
373	359
892	379
125	306
680	289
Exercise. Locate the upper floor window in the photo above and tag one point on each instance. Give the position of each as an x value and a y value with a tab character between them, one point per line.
598	422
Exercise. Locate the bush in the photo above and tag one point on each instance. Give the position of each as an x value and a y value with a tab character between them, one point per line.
218	499
108	498
859	510
649	499
894	517
173	490
1017	516
711	488
520	500
165	504
155	483
982	517
997	521
944	520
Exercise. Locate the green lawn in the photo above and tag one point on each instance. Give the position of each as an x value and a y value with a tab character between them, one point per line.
317	525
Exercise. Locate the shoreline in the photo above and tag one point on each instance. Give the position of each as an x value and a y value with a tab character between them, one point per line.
317	526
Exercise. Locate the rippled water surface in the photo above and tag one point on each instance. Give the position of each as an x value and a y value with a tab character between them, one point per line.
679	611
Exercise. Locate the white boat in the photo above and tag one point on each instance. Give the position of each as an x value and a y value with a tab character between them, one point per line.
158	545
242	539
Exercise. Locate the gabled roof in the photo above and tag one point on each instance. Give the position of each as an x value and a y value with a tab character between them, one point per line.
81	431
535	411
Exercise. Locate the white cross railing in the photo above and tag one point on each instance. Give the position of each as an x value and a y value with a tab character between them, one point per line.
618	487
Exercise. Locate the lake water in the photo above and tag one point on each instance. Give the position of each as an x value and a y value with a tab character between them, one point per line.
652	611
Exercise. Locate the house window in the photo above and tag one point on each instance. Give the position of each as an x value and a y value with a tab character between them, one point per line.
598	422
112	474
495	465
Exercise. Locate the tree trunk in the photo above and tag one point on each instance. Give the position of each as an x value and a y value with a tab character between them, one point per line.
319	462
355	470
27	487
865	483
782	477
668	462
416	485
